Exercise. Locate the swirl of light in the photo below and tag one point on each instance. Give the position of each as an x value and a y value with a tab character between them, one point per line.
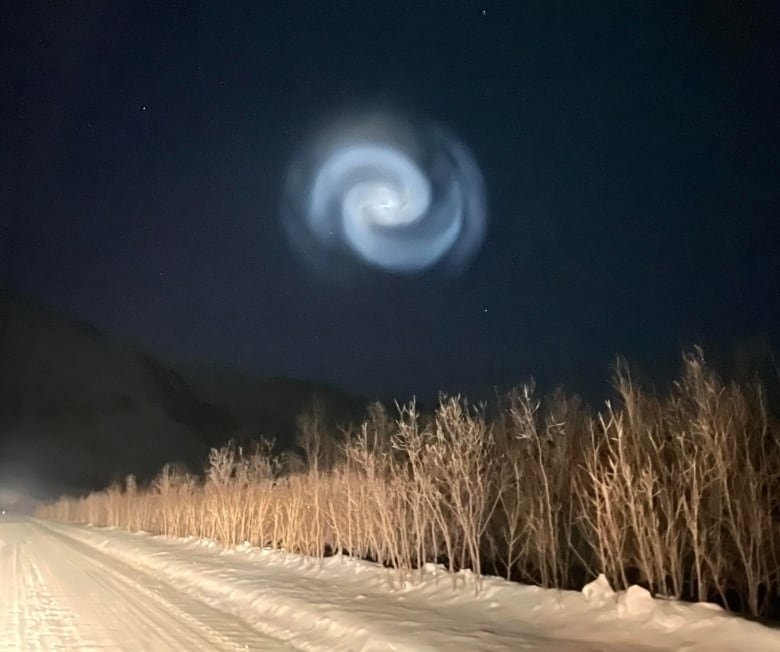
398	198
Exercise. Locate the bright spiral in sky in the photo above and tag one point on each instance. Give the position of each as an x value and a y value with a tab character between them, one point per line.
374	189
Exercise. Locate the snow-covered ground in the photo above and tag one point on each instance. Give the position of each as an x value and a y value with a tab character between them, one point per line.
80	588
59	594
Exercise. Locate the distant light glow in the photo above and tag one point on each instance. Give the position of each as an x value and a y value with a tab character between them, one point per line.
394	196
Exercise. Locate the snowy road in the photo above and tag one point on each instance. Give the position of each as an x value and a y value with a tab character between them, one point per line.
57	593
73	588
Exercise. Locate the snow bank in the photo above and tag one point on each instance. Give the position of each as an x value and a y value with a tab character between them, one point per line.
344	604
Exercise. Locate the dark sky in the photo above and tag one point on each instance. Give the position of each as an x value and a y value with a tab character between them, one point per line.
630	155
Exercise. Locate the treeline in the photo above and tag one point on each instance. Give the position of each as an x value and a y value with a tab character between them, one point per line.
679	493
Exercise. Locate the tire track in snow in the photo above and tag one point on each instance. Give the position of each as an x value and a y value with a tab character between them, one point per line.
32	618
60	594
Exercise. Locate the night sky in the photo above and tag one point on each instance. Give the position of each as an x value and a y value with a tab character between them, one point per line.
629	155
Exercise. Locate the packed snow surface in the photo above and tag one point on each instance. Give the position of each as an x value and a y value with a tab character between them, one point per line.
80	588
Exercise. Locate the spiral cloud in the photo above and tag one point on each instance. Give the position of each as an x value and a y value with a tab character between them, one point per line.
376	190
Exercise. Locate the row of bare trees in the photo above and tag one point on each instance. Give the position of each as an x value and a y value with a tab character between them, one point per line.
679	493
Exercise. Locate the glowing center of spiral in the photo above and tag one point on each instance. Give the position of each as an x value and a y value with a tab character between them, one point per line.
383	186
380	204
